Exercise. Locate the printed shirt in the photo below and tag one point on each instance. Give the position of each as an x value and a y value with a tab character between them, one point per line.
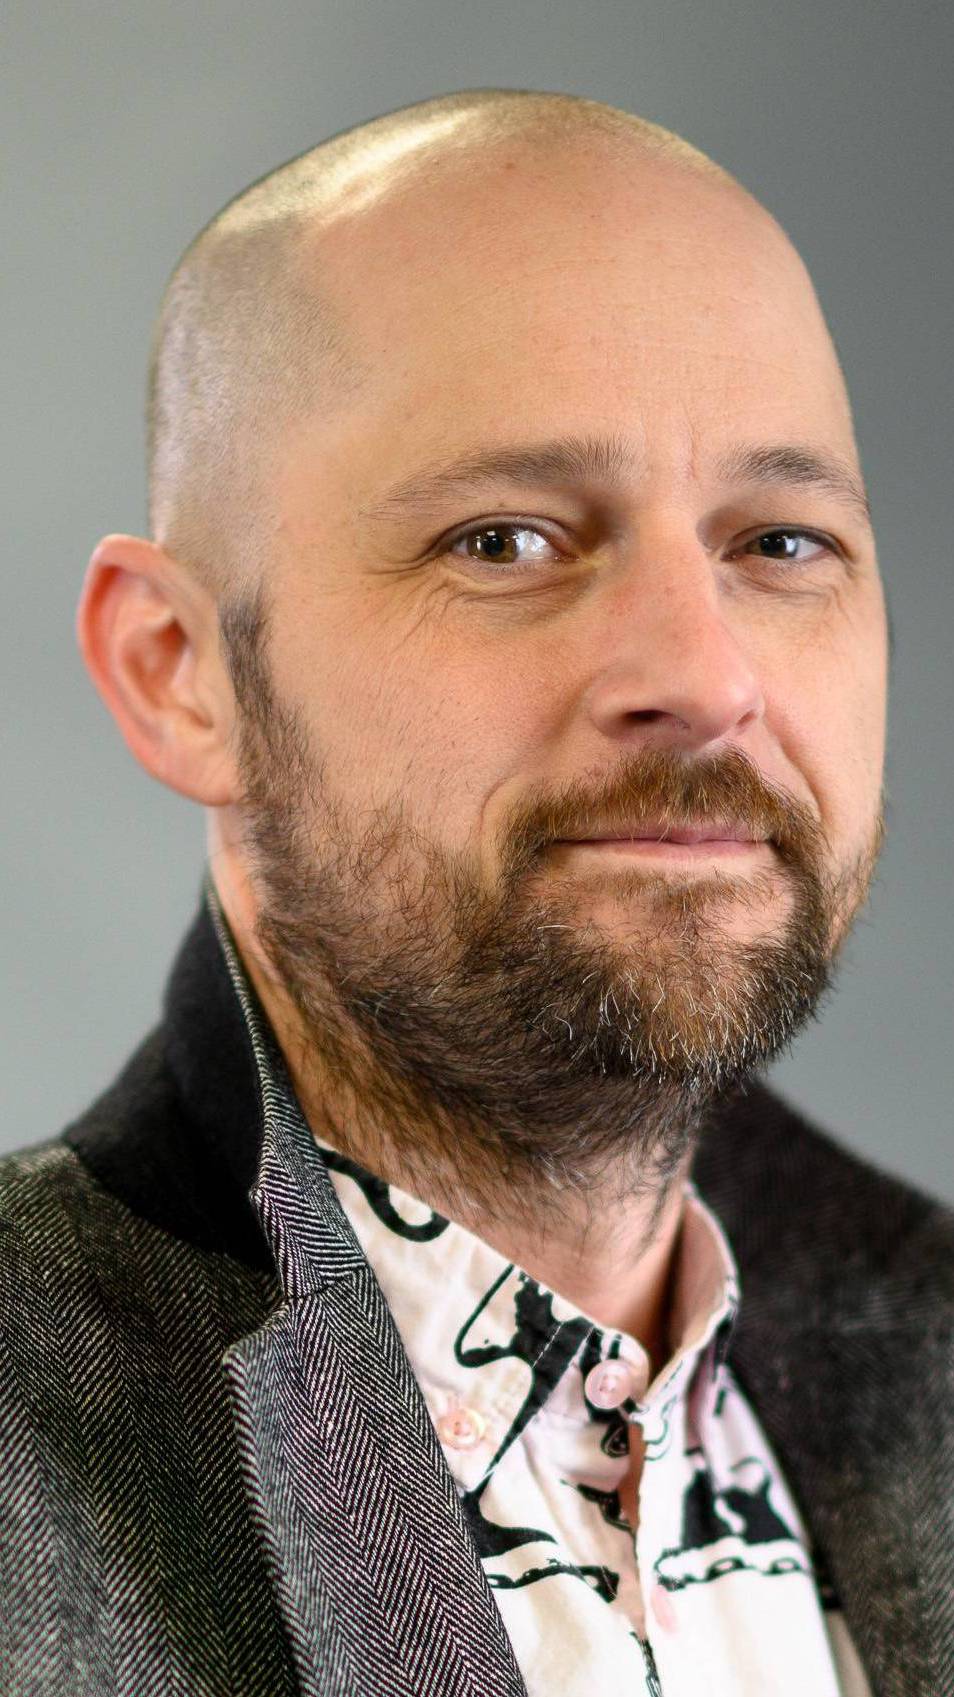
531	1400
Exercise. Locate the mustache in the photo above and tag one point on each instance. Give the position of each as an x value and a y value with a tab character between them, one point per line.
676	793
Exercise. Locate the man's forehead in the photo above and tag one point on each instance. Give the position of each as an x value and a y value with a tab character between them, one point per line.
490	335
511	260
584	413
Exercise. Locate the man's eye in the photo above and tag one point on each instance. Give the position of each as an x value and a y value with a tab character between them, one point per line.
778	542
501	546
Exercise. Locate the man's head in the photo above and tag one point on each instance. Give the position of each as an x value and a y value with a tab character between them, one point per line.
400	695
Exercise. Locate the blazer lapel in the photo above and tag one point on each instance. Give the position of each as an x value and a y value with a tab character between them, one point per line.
379	1582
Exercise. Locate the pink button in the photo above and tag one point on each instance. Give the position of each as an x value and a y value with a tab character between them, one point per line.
610	1382
461	1428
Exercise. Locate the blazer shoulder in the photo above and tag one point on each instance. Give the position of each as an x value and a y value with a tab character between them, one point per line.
46	1187
44	1192
789	1191
117	1423
134	1162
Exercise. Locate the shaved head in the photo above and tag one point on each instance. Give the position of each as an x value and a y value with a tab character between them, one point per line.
247	341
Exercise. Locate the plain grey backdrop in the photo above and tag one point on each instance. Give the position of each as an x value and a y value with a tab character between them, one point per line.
128	126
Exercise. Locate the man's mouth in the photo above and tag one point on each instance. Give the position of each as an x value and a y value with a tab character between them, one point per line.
687	841
655	831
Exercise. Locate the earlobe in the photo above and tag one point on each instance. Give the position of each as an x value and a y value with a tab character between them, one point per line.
145	634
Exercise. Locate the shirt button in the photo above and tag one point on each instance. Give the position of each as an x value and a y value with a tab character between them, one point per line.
609	1383
461	1428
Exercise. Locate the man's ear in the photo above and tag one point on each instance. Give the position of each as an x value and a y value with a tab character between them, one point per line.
149	636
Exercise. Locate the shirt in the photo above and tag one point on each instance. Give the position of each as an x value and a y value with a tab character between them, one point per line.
531	1400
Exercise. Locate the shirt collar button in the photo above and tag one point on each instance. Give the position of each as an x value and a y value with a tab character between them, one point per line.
610	1383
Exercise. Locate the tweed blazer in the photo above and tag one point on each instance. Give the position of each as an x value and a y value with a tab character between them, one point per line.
219	1477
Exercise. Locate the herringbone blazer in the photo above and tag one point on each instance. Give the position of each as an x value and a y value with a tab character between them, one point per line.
219	1477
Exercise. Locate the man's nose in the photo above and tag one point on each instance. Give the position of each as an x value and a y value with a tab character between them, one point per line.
677	670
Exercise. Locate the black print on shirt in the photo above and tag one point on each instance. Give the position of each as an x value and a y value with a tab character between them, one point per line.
378	1195
602	1580
729	1529
720	1353
547	1347
607	1502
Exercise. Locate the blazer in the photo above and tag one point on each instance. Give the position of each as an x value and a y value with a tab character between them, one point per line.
219	1477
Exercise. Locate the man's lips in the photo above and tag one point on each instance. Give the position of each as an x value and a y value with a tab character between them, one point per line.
654	848
688	836
682	845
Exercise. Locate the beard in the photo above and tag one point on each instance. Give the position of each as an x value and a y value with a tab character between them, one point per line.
480	1043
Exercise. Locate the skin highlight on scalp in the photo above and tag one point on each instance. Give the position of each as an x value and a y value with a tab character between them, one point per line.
246	341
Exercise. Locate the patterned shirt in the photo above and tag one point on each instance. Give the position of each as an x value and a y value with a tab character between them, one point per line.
532	1399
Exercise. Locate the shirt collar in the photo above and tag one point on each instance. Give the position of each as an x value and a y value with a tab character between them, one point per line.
459	1304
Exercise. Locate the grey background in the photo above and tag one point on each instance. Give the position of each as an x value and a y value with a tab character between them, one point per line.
128	126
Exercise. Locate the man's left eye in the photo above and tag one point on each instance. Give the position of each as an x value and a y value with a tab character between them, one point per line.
785	534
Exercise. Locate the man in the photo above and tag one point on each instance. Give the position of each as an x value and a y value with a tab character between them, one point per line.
438	1302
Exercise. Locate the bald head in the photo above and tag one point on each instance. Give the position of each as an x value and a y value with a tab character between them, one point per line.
247	339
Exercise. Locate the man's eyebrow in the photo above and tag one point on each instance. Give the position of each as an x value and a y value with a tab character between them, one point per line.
796	462
606	461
